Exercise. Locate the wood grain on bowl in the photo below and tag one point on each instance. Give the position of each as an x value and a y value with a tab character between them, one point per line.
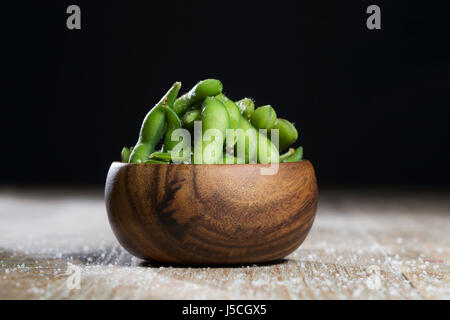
210	214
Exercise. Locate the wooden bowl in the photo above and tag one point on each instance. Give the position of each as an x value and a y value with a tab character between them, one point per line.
210	214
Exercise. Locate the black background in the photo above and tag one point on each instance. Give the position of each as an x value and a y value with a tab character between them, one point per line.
371	106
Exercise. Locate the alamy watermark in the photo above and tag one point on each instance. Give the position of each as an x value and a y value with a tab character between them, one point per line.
73	21
73	280
374	20
241	146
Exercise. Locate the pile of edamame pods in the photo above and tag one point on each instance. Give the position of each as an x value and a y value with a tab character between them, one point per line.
206	103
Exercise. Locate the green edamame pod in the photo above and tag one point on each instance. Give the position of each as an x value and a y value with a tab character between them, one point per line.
247	140
189	117
229	159
232	109
287	133
166	156
265	151
287	154
173	123
296	157
125	154
203	89
234	114
152	161
247	107
264	117
153	127
214	117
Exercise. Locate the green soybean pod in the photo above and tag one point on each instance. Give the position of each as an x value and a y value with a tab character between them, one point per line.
287	154
264	117
296	157
160	156
214	117
287	133
234	114
152	161
189	117
268	155
232	109
153	127
203	89
173	123
166	156
247	107
125	154
267	151
229	159
247	141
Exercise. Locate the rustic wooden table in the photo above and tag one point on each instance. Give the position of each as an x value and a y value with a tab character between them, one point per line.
363	245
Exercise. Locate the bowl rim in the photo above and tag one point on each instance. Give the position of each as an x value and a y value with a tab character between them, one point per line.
262	165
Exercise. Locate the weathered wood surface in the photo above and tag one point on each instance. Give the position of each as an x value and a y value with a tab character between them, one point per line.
363	245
